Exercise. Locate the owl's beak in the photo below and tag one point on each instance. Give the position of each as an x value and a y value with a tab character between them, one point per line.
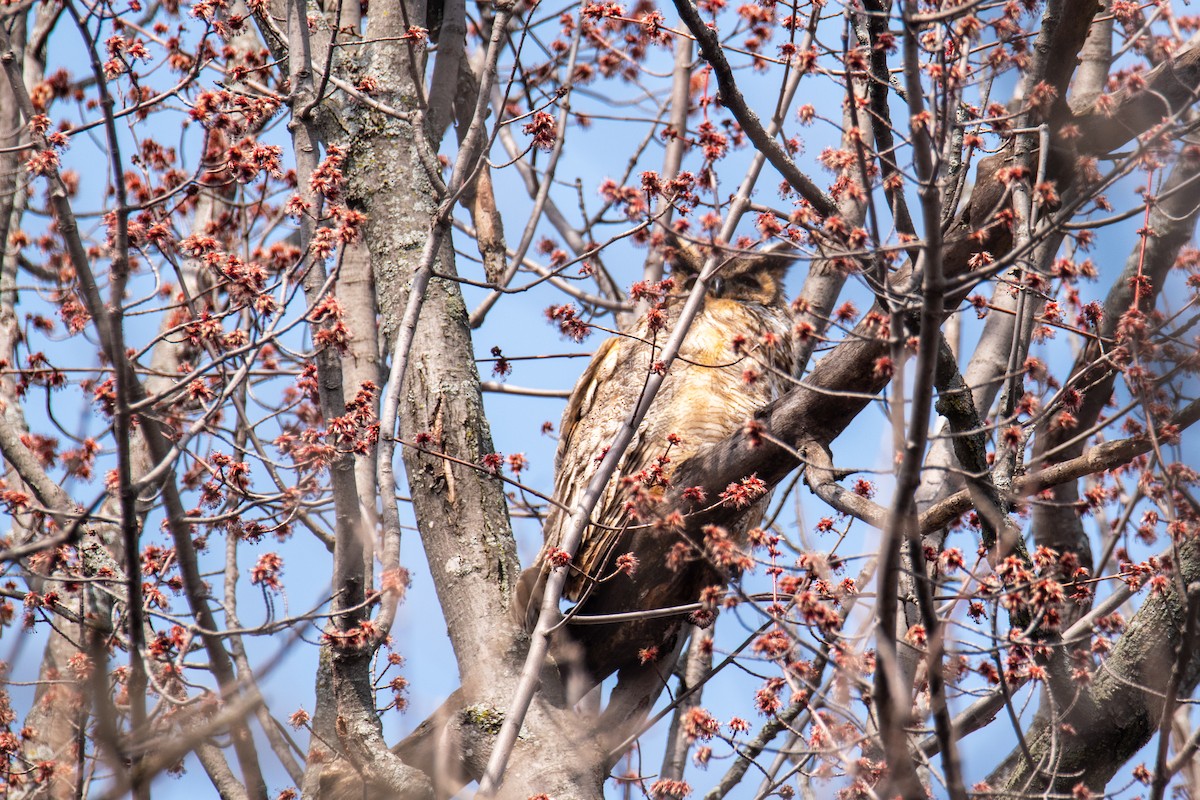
716	286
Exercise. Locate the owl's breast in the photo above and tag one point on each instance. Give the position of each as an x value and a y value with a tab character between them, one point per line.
714	386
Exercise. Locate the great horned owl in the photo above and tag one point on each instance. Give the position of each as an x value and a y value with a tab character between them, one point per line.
735	358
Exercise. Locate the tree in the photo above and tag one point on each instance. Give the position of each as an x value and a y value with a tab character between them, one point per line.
256	321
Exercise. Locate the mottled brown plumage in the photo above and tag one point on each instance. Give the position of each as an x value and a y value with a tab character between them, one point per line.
731	363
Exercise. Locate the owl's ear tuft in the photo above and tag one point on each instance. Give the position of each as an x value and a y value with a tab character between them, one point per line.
684	257
776	258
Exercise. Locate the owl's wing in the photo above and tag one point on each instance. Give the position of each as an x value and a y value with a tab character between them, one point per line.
593	416
590	421
594	385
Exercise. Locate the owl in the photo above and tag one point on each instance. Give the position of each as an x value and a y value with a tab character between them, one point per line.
734	360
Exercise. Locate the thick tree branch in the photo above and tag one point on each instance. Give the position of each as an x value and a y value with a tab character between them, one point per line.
1112	720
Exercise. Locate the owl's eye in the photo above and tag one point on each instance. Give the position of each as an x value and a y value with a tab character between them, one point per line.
689	281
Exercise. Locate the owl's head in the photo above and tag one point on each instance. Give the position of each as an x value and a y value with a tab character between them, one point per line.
740	276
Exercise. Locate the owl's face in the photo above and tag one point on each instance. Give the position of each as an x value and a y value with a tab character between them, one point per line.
756	279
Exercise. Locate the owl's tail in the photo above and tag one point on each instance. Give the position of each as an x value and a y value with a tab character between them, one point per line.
566	655
531	590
